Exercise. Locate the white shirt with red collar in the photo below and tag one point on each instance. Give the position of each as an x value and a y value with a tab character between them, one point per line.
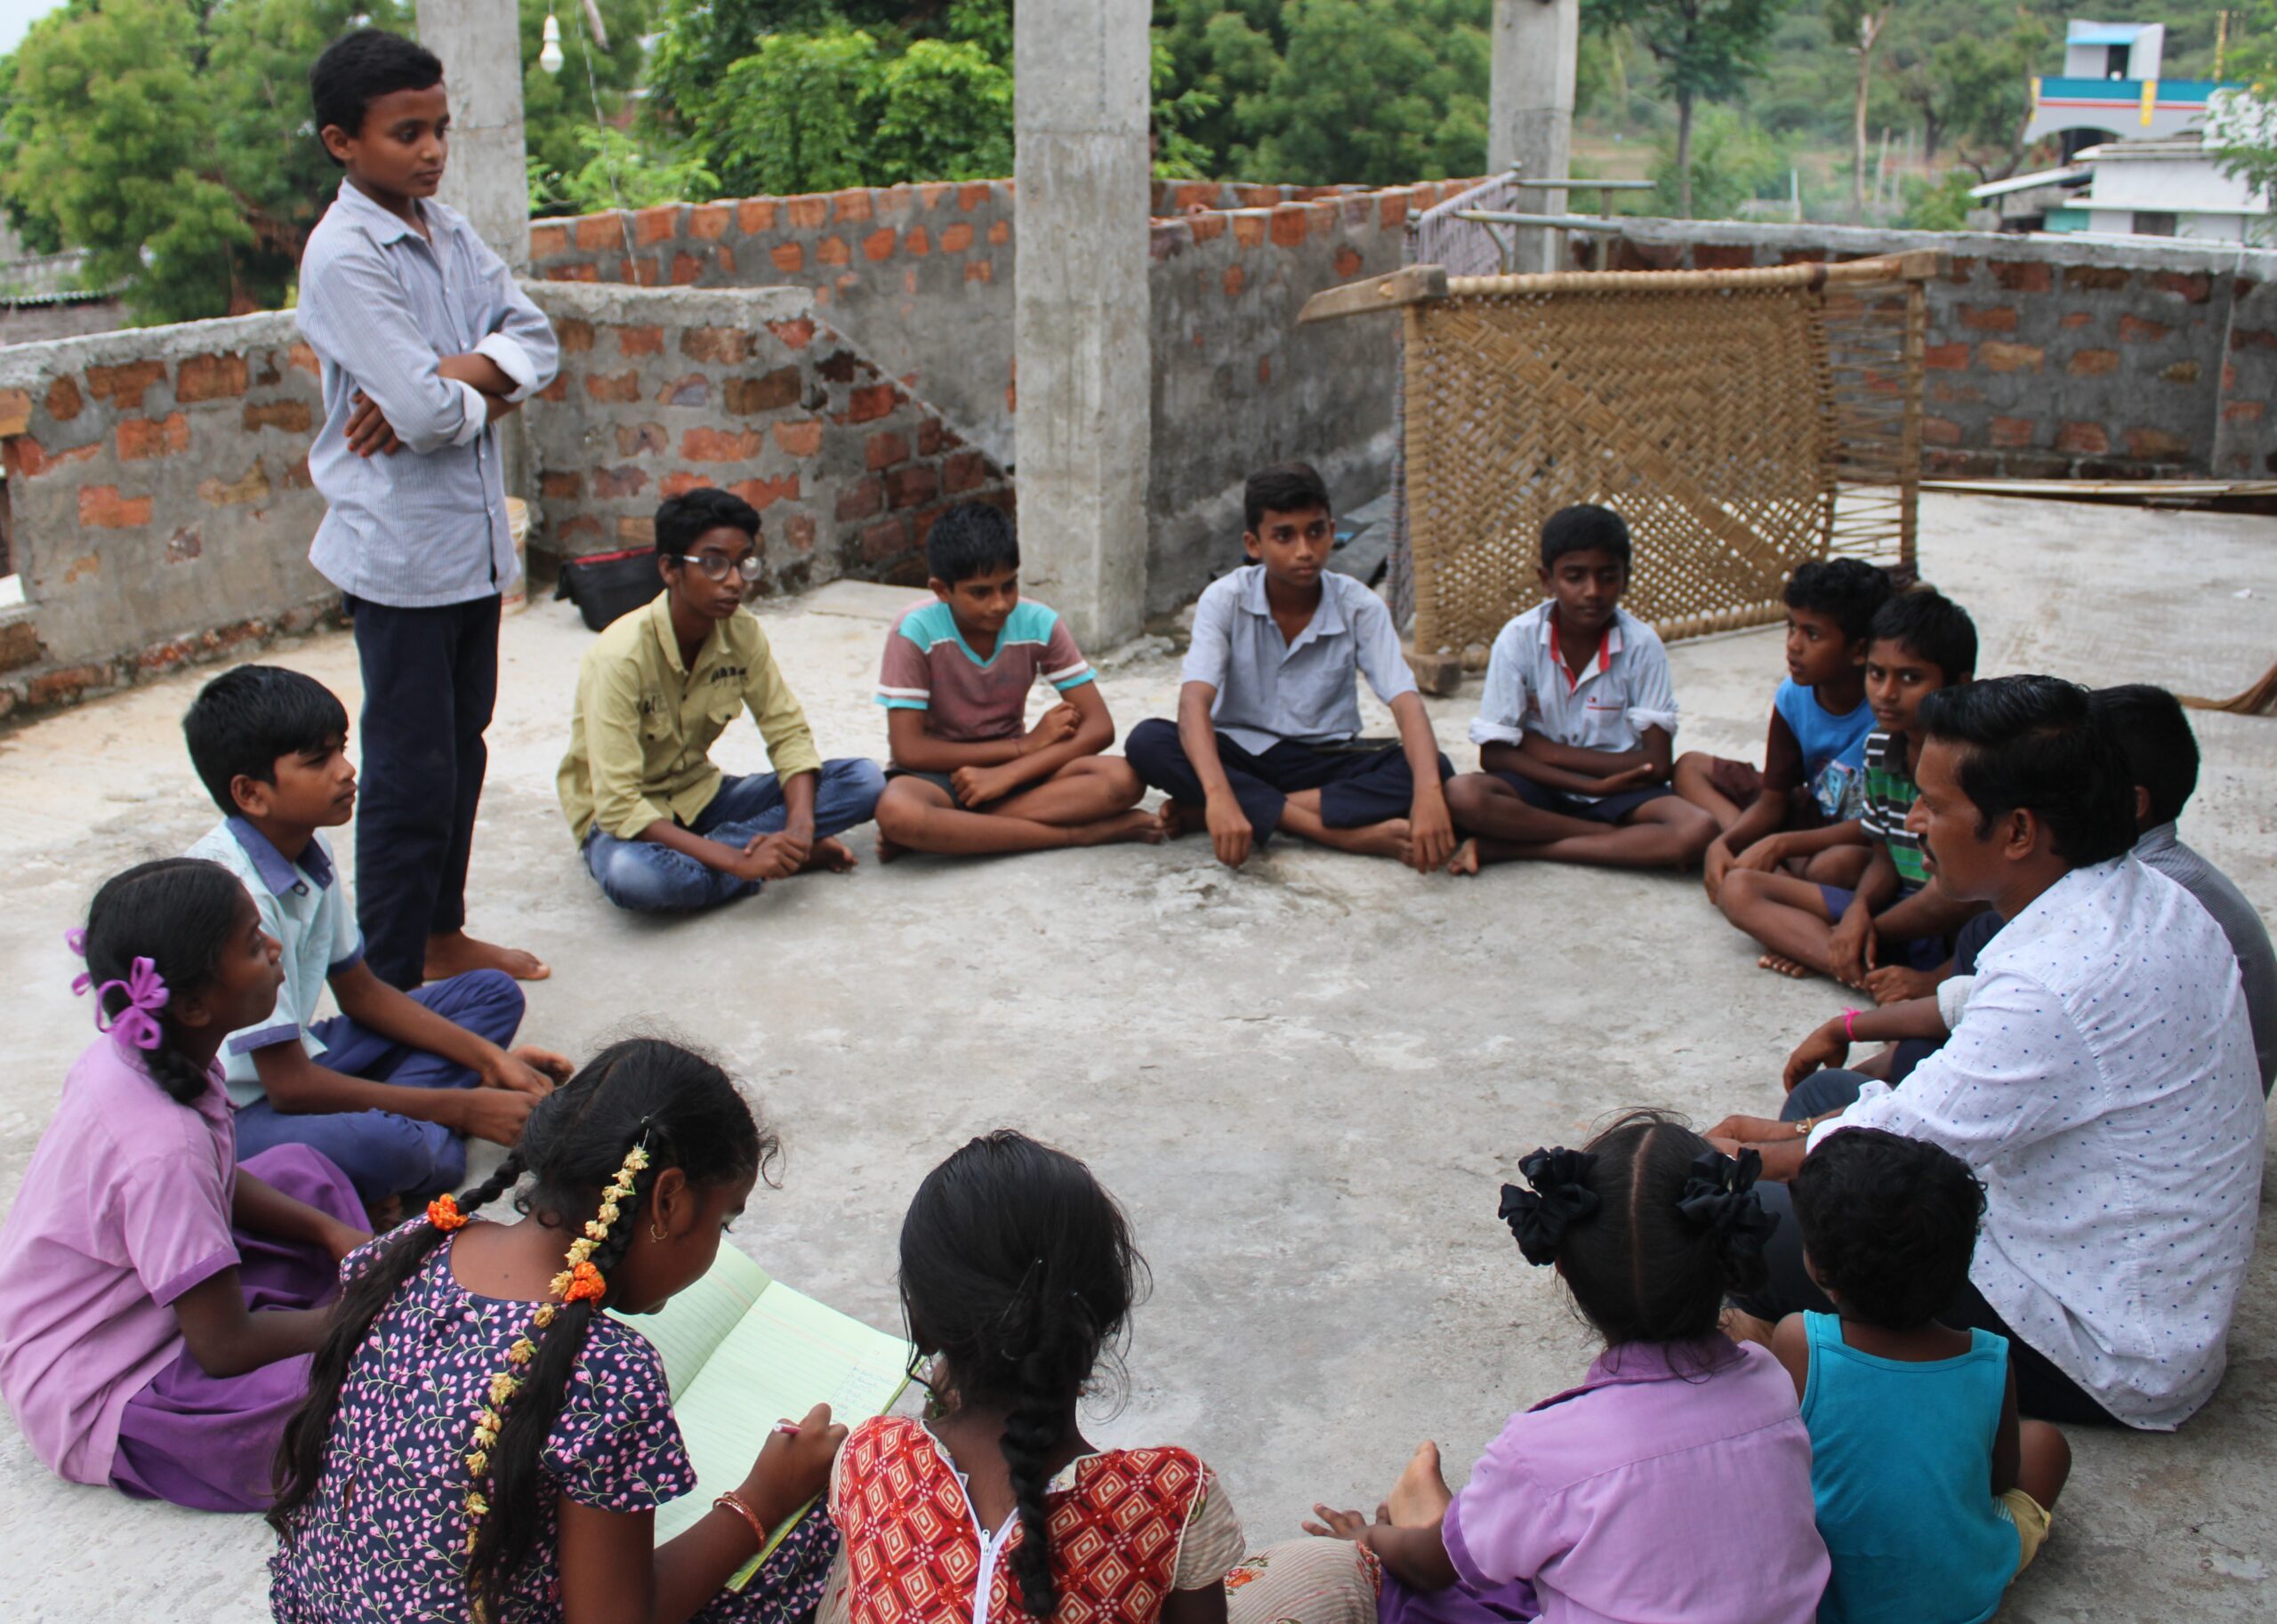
1624	690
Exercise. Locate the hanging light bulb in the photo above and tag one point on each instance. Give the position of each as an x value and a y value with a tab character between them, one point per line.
549	55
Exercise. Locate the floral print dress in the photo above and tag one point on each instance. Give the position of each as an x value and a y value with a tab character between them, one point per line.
384	1535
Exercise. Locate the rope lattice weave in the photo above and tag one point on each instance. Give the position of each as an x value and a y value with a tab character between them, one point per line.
1741	422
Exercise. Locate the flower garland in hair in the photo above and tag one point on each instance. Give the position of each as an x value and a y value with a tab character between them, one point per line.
578	1282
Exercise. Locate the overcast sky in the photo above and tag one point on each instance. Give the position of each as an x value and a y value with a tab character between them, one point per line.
16	16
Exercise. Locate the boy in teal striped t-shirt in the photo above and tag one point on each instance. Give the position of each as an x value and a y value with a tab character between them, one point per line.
1889	935
968	776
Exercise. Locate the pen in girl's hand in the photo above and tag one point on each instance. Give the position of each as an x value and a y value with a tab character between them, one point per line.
789	1429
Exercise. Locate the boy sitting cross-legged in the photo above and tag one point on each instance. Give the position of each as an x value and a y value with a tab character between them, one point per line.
966	778
1268	728
663	829
1801	812
1921	641
1576	724
386	1088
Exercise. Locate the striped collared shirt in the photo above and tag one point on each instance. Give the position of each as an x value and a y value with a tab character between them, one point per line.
382	305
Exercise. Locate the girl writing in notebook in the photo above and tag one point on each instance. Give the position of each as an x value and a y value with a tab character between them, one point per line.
1018	1273
481	1442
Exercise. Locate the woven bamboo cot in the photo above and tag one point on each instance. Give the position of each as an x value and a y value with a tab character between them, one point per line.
1740	421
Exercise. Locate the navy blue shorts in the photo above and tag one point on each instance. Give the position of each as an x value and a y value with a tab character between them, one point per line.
1920	952
1605	809
939	781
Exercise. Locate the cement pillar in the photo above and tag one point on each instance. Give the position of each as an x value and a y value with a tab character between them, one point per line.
488	181
1530	113
1081	310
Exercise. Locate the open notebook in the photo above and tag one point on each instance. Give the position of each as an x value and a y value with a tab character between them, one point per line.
743	1351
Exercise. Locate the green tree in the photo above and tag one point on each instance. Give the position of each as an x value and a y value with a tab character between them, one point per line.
1705	50
1732	159
1973	91
1858	25
2245	122
559	110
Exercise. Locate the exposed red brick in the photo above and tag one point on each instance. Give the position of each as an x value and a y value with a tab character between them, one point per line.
862	499
141	438
690	390
770	393
764	494
1719	256
576	337
884	540
625	386
291	416
63	402
795	334
806	213
870	404
81	567
641	338
579	272
2021	276
2242	411
2095	278
615	484
641	439
956	238
123	385
913	484
1951	392
1988	318
2092	363
725	259
800	439
64	685
1202	227
885	449
965	472
727	346
980	270
1001	232
709	222
850	207
1249	228
755	215
546	241
721	445
789	258
637	532
838	367
798	530
2155	443
1289	224
102	508
682	480
930	193
569	529
879	244
2192	287
1995	355
2137	330
656	225
917	241
2181	371
560	487
2075	318
1945	357
833	251
27	459
1348	263
2083	439
603	231
972	195
1940	431
686	268
2011	432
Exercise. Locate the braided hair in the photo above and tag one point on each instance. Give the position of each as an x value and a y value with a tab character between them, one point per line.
180	913
1018	1270
688	1114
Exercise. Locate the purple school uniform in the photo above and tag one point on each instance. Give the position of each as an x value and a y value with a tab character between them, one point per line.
1655	1491
126	1207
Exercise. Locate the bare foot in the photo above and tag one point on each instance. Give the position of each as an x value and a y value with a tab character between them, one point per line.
1466	859
888	850
385	1215
834	856
1176	818
1420	1496
1388	838
1780	964
1131	825
455	953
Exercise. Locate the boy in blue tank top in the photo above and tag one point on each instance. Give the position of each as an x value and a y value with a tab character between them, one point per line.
1932	1495
1801	811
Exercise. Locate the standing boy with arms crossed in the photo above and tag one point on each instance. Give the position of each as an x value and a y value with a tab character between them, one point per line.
1266	736
423	340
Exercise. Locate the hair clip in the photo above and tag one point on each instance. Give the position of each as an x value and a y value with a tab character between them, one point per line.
1561	1198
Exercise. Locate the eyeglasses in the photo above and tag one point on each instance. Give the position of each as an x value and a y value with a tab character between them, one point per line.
717	568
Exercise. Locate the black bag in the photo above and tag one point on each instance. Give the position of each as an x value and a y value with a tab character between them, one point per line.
610	585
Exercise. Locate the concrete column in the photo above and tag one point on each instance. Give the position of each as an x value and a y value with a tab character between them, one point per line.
1081	310
488	181
1530	113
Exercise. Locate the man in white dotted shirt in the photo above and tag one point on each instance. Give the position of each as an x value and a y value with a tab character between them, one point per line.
2099	1077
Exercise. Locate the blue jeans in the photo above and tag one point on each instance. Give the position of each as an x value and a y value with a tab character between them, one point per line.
652	879
383	1153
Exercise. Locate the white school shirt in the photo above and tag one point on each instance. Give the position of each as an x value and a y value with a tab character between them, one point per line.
1624	690
2101	1081
304	905
1271	690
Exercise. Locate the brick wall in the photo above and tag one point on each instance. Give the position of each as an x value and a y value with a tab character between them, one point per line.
920	276
159	500
2048	358
664	391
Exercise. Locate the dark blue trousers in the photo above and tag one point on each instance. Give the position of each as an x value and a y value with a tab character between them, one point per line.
1357	787
431	680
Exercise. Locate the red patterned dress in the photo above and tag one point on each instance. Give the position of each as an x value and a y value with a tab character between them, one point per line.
1128	1527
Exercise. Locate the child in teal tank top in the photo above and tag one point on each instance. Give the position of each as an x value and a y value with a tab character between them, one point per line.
1932	1495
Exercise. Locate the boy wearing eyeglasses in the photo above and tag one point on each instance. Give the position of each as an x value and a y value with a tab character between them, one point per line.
663	829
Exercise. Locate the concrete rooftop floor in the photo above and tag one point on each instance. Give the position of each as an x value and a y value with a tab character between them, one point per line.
1306	1080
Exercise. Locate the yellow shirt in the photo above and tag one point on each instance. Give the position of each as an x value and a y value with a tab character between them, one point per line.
640	736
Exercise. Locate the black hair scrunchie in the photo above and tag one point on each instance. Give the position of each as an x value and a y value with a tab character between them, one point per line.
1561	1198
1719	1197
